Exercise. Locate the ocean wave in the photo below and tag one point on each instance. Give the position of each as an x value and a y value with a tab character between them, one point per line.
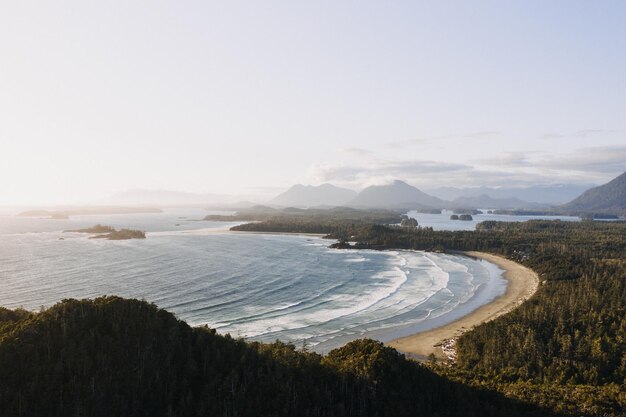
259	286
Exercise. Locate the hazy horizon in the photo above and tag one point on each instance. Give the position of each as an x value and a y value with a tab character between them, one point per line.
249	99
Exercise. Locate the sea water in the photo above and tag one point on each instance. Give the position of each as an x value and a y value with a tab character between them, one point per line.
442	221
257	286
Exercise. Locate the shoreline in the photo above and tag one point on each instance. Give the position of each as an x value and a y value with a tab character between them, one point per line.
279	233
522	283
227	230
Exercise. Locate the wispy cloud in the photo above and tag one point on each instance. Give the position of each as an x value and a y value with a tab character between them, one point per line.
481	135
605	159
585	133
519	169
380	171
599	159
426	139
508	159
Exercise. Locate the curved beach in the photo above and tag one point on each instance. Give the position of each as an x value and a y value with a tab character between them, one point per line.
522	283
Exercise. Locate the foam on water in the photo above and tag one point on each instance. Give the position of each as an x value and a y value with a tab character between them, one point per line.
264	287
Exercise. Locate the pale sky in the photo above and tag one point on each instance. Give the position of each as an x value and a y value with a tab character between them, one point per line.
251	97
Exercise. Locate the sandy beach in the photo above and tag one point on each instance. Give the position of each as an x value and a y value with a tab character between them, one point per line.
522	283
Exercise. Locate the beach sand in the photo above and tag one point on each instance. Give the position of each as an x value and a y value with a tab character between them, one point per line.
522	283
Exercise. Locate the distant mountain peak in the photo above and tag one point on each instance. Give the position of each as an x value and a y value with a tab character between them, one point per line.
485	201
300	195
535	195
606	198
397	194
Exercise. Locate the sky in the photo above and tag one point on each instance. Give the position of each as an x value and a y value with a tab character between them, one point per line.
250	98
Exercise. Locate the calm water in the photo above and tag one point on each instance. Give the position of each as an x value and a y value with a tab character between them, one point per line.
263	287
442	221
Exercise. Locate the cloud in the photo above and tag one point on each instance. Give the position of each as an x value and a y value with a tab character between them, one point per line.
481	135
552	136
585	133
509	159
468	135
426	174
605	159
593	132
415	172
591	160
380	171
513	169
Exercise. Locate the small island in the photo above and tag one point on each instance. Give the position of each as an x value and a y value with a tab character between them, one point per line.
465	217
109	233
408	222
467	211
94	229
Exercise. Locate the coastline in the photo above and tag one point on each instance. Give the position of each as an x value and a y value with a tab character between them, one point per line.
522	283
278	233
227	230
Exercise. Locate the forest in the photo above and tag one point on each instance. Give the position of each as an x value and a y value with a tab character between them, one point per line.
565	347
563	352
321	220
116	357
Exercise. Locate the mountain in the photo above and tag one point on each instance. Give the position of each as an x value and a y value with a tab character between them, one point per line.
309	196
607	198
168	198
484	201
398	194
547	195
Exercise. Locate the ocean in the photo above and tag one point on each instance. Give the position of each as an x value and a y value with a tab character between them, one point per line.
256	286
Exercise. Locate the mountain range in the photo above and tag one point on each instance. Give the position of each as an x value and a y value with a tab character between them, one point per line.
547	195
485	201
398	194
609	198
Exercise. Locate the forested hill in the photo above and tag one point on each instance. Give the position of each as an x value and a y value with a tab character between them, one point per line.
566	346
607	198
117	357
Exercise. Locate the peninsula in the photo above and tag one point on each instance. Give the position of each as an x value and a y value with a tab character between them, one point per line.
522	284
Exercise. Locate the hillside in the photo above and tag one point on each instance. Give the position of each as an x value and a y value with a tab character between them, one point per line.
313	220
566	345
607	198
398	194
117	357
310	196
